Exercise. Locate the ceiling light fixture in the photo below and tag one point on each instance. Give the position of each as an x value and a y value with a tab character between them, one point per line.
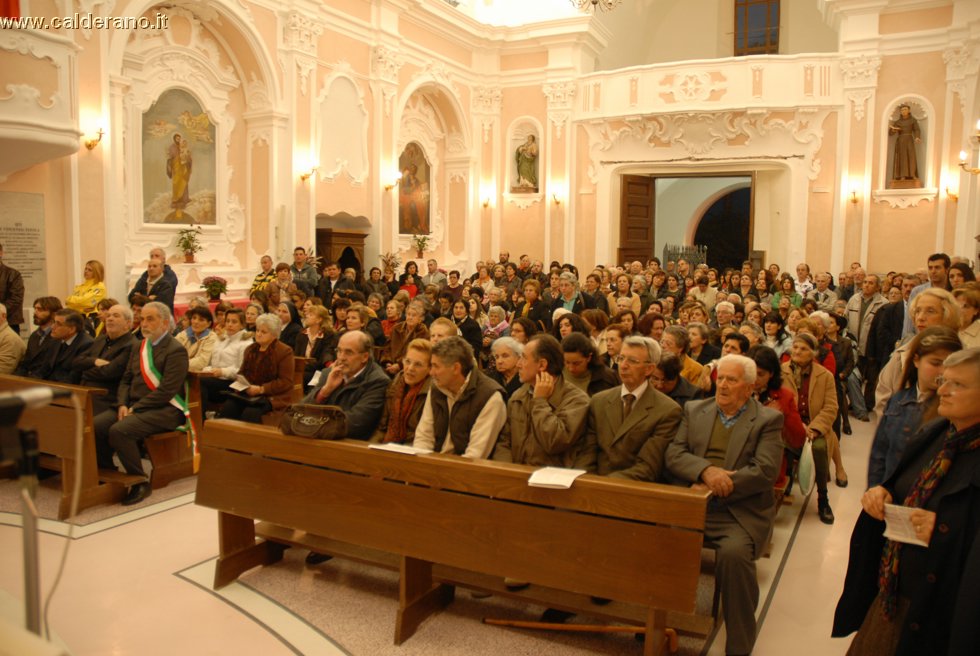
595	5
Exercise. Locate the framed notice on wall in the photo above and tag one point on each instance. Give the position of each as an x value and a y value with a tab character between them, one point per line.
22	237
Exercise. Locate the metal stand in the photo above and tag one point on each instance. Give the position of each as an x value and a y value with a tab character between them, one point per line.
23	445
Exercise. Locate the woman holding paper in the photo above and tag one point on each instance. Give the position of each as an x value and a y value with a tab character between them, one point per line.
903	598
267	368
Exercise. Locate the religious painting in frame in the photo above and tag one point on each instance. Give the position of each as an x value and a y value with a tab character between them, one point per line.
179	161
413	191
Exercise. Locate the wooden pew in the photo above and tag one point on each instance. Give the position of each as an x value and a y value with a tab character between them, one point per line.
55	425
443	521
171	453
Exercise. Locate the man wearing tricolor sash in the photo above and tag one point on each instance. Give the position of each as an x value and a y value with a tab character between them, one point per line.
151	398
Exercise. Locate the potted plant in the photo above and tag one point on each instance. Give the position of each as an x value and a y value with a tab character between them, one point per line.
420	242
216	286
188	241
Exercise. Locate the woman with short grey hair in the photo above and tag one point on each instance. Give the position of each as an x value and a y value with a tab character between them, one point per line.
268	367
505	354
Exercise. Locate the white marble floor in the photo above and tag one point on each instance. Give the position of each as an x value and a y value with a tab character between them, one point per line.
139	584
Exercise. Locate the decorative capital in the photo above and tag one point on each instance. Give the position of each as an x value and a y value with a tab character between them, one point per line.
301	32
860	71
858	98
560	95
486	100
386	63
960	62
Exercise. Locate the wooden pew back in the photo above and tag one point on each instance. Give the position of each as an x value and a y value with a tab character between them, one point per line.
624	540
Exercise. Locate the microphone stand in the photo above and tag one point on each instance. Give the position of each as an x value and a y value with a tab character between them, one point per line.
22	447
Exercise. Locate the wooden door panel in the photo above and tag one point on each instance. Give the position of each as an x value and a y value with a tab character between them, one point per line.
636	233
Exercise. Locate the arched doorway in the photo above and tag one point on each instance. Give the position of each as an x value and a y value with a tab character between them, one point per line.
724	229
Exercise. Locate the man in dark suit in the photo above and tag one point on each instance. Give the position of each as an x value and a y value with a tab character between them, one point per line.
357	384
39	345
69	331
155	285
103	364
150	395
331	283
732	446
629	426
168	274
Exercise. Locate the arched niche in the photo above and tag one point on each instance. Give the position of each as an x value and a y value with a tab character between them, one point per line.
341	103
430	114
901	194
524	135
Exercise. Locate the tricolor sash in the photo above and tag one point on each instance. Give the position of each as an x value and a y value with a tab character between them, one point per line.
152	379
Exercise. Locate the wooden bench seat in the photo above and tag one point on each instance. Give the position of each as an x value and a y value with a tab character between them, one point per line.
55	425
171	453
445	521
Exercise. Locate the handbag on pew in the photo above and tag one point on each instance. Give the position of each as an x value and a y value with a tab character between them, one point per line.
317	422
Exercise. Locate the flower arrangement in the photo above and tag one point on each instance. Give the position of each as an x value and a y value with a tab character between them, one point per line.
215	285
390	261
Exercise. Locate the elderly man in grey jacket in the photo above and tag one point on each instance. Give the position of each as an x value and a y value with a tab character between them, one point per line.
731	445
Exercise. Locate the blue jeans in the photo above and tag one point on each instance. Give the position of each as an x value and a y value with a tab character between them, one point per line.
856	394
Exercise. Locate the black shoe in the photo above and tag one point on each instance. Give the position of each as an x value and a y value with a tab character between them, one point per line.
847	429
136	494
864	418
826	514
555	616
841	483
314	558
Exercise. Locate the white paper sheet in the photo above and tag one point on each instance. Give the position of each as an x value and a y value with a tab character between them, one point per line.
899	527
399	448
240	384
557	478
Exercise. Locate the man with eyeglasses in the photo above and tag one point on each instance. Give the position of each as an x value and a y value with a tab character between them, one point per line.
731	446
357	384
629	426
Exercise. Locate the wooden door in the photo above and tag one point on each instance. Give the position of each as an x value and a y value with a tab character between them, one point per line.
636	219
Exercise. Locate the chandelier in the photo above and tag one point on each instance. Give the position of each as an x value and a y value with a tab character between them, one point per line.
595	5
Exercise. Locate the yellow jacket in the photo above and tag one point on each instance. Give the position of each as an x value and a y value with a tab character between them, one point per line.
86	296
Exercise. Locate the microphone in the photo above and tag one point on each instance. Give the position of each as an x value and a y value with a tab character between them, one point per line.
32	397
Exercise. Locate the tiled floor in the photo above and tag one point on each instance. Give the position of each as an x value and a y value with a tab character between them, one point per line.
140	584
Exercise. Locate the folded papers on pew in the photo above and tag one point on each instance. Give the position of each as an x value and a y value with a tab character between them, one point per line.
557	478
399	448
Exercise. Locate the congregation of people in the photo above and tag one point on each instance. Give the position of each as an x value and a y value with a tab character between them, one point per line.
670	372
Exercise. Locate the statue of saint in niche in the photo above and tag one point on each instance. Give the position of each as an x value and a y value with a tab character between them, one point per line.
527	165
905	168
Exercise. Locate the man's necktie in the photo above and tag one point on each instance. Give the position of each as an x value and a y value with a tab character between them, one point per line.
628	405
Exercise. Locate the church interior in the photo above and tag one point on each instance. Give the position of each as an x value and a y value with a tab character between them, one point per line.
577	131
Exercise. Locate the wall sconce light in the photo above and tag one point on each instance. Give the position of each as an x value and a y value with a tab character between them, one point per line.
854	196
968	169
486	203
556	199
92	143
952	195
308	174
392	185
